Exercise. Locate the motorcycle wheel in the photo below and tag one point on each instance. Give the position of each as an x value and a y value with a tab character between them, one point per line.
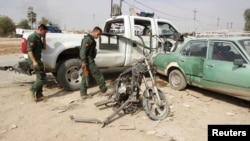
152	109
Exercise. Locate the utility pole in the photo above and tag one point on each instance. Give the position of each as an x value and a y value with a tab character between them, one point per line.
111	8
116	9
229	25
94	18
218	20
194	20
121	7
30	11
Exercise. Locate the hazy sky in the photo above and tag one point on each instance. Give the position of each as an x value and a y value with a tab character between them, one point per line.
84	14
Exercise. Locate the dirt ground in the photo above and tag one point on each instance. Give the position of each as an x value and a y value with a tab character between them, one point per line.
10	46
21	119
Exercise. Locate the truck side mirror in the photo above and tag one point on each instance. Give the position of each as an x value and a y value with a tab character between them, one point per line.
238	62
181	38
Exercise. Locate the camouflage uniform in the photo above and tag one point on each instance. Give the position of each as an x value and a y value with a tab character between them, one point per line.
35	45
87	55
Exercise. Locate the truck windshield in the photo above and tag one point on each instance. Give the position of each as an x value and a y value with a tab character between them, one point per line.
166	29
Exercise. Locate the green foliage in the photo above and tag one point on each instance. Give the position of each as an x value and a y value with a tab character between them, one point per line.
7	26
24	24
32	18
46	21
247	19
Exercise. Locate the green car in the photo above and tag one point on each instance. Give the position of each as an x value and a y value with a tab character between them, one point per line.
217	64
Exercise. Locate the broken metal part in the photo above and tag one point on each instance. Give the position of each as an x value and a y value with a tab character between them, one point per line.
104	102
86	120
7	68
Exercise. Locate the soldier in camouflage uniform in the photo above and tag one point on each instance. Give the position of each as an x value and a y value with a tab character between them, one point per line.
37	42
87	55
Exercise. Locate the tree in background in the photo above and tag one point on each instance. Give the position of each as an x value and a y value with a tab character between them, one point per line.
247	19
7	26
31	16
47	21
44	21
24	24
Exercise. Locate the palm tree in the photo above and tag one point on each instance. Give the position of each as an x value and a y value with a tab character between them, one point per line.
31	16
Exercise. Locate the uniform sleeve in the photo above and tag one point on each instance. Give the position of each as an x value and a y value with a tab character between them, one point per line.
83	49
31	42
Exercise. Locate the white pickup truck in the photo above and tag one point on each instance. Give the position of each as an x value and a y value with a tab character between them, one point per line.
121	45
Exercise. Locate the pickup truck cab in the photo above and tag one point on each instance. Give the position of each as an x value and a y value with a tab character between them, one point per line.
122	43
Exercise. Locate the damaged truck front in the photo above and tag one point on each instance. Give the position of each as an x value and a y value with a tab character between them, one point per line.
124	41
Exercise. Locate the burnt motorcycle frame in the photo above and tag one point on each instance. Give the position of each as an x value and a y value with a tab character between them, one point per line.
127	96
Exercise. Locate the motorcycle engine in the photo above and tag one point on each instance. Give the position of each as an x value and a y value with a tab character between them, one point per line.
123	90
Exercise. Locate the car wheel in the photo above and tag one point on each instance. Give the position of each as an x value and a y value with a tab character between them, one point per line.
68	74
177	80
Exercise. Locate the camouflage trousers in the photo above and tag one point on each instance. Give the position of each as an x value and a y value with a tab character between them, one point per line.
96	74
41	79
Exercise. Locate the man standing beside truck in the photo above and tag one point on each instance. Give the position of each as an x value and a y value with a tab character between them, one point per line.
87	54
37	42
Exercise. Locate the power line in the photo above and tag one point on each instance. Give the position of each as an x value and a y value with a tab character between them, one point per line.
176	18
144	5
205	25
171	17
131	5
159	10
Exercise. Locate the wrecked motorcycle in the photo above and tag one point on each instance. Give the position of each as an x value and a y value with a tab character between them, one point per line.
127	96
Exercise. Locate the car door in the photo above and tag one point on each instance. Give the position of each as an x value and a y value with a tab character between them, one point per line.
221	74
192	61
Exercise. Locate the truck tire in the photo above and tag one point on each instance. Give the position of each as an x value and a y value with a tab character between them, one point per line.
68	74
177	80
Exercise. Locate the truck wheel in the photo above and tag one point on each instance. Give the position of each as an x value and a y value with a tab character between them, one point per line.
68	74
177	80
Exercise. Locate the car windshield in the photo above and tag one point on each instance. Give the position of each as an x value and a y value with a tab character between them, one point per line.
246	45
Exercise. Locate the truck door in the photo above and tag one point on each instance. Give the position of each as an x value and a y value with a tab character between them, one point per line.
142	30
111	47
